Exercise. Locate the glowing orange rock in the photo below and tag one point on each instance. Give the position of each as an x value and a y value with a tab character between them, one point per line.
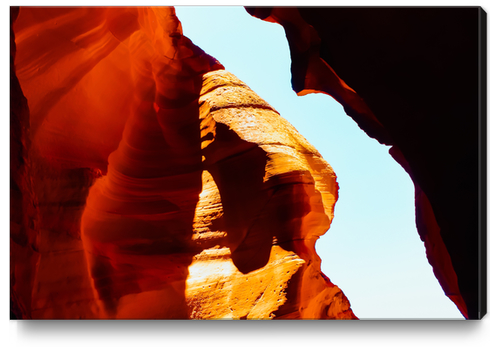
209	203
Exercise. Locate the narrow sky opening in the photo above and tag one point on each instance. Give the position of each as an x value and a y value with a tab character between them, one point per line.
372	250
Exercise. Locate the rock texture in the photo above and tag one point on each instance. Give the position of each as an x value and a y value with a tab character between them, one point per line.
411	78
24	255
148	182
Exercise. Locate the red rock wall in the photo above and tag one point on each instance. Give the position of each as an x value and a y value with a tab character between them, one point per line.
164	186
24	232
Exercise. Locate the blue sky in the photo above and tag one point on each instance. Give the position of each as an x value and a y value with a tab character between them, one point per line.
372	251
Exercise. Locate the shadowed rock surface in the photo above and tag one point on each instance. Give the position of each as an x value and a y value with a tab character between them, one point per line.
411	78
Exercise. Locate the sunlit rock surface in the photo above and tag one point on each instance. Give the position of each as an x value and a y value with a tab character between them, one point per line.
411	78
153	183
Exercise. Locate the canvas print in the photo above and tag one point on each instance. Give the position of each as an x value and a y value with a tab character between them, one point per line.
247	163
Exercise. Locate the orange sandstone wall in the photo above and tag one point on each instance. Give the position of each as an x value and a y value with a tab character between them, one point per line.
163	186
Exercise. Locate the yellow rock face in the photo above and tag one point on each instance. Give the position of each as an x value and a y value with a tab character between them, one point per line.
216	289
284	204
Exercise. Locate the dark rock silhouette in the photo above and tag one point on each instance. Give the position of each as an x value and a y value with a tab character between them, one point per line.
411	78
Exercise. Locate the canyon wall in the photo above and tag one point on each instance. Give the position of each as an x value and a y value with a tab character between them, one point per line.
412	79
149	182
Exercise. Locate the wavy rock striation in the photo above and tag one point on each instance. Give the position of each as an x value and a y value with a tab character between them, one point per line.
164	186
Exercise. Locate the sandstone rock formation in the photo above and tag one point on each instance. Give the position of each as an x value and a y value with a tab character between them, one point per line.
411	78
148	182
